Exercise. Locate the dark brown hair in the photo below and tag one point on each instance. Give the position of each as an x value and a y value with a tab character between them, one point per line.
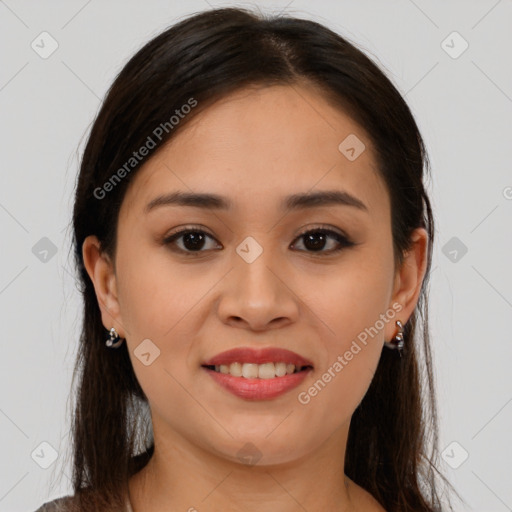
392	445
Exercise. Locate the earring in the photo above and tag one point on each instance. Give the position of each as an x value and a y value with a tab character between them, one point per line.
114	341
398	341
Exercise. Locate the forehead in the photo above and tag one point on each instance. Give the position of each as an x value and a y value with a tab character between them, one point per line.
262	143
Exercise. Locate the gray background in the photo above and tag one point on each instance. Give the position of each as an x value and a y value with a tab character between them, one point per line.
463	106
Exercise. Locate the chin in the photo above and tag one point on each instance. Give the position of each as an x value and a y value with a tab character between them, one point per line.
260	449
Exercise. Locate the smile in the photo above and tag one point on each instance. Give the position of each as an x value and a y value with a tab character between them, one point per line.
257	371
258	389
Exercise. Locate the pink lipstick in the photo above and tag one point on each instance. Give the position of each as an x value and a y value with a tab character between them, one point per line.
258	374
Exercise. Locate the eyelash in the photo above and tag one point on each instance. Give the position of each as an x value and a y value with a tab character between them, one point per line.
343	241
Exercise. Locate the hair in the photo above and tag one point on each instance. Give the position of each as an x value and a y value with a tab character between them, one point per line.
392	447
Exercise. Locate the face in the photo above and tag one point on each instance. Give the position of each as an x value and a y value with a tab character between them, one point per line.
192	282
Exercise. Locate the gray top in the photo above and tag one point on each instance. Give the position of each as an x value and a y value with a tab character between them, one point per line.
65	504
58	505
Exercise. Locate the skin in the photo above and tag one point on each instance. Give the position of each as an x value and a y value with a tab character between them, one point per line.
255	147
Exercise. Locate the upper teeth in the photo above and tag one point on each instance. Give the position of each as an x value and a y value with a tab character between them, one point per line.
253	371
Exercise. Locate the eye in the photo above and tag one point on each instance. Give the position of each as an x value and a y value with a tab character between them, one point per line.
193	240
316	239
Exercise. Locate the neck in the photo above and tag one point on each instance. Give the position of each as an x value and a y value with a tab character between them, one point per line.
183	476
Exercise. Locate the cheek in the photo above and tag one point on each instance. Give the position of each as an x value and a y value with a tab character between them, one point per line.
351	299
161	301
334	395
351	309
155	293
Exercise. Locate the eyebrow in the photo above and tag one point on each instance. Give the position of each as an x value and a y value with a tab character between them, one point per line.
292	202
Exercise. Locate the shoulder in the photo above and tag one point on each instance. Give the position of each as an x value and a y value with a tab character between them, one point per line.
71	504
363	499
64	504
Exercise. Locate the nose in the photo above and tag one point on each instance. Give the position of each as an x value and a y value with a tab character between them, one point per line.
257	296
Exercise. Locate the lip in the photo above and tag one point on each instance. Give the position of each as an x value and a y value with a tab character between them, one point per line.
258	356
258	389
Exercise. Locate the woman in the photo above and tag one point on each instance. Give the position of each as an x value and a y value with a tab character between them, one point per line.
254	241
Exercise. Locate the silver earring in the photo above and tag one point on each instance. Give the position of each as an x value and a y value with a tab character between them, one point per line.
398	341
114	341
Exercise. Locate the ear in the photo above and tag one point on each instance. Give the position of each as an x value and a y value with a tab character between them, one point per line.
408	280
101	271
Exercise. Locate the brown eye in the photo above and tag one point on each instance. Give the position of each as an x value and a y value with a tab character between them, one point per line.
193	240
315	240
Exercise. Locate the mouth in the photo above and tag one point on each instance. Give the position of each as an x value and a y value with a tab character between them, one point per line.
258	363
258	371
258	374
